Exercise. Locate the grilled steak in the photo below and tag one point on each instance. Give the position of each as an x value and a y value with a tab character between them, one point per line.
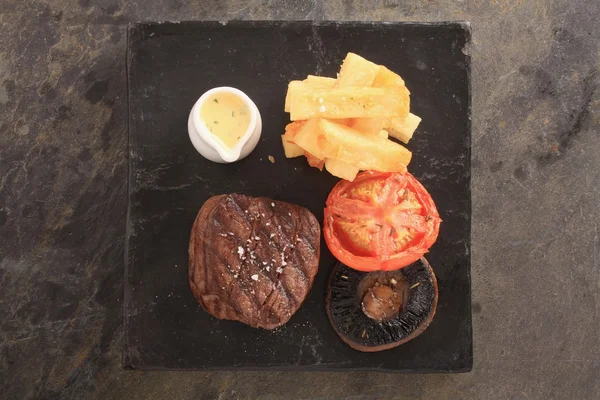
253	259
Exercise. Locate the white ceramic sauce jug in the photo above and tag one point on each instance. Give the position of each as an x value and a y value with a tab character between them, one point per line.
208	145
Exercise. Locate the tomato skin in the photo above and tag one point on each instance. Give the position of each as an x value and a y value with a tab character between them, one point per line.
364	218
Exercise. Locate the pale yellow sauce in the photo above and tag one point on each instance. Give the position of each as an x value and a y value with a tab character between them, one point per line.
226	116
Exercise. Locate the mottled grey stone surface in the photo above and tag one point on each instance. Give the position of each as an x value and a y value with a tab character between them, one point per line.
536	200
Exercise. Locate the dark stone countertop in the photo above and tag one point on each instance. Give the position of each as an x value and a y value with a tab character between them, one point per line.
536	202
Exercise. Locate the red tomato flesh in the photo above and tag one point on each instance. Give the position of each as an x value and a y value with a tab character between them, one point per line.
380	221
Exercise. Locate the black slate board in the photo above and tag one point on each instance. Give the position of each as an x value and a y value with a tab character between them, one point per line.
169	66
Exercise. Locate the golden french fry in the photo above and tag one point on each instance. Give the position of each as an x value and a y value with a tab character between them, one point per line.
291	149
385	77
369	126
314	161
350	102
292	128
325	139
341	169
288	95
306	136
383	134
312	81
356	71
403	129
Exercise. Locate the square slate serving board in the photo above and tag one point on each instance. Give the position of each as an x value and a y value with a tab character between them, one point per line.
169	66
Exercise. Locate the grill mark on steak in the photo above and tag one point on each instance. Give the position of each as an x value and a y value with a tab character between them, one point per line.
295	244
249	250
231	275
262	306
273	280
284	288
302	240
242	286
241	215
249	260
